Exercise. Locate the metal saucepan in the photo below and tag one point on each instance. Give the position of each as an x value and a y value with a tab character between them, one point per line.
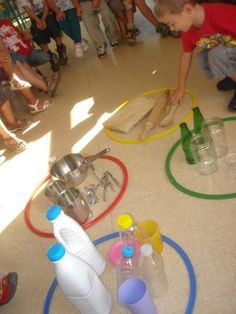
73	168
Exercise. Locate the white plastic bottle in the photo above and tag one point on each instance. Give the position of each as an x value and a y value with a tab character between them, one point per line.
152	270
79	282
76	241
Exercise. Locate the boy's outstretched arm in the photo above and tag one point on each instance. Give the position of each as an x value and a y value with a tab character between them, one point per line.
184	67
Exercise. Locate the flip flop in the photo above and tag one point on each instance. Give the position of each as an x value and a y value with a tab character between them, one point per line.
36	109
18	125
15	144
18	84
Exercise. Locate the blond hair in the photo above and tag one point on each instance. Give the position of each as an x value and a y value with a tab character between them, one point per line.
170	6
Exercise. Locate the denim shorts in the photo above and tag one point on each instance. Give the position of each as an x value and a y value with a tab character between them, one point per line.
218	62
37	57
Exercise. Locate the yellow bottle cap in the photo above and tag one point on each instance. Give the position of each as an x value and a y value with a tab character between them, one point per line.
124	221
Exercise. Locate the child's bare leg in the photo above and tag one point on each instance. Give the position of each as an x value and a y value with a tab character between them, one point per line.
4	133
28	74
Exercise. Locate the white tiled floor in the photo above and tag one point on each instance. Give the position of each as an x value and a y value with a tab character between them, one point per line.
204	228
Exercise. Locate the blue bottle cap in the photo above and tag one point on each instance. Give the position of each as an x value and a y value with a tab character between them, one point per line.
127	251
56	252
53	212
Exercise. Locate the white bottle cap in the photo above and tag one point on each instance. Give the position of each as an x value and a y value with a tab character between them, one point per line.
146	250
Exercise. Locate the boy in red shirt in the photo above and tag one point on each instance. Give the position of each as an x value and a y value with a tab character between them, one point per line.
21	48
210	26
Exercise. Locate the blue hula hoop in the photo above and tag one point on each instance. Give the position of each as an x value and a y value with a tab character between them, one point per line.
173	244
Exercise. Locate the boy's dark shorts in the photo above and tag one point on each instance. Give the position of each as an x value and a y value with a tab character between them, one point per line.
52	30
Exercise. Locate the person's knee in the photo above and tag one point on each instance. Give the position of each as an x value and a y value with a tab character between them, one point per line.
217	61
216	56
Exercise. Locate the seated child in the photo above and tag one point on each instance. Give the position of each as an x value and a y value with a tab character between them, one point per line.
210	26
18	82
43	27
18	42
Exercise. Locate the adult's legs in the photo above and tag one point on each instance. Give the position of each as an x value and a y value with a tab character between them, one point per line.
92	24
108	20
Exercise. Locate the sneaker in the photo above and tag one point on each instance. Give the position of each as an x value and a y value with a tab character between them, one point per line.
61	50
163	29
232	103
79	50
226	84
54	61
131	36
85	45
101	51
8	286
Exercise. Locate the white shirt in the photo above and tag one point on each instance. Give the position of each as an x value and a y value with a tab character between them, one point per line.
64	5
35	5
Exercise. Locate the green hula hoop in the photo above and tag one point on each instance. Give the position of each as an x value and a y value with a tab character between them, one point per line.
153	137
183	189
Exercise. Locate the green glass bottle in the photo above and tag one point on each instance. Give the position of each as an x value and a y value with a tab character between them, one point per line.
198	120
186	137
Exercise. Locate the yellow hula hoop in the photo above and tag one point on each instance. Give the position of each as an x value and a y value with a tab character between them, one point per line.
153	137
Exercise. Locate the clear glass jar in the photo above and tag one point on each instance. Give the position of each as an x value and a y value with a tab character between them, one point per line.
204	153
215	128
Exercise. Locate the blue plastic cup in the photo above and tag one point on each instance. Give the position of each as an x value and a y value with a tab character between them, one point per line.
134	294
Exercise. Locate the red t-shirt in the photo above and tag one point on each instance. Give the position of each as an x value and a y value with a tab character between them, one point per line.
219	28
12	38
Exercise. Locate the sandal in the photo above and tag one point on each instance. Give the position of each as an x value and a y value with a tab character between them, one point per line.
36	109
15	144
18	125
52	83
8	287
17	84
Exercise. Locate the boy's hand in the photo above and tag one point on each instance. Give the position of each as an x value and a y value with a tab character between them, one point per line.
60	15
41	24
176	96
96	3
79	11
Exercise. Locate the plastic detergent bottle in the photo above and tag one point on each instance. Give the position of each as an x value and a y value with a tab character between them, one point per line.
76	241
151	269
198	119
79	282
186	138
127	230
